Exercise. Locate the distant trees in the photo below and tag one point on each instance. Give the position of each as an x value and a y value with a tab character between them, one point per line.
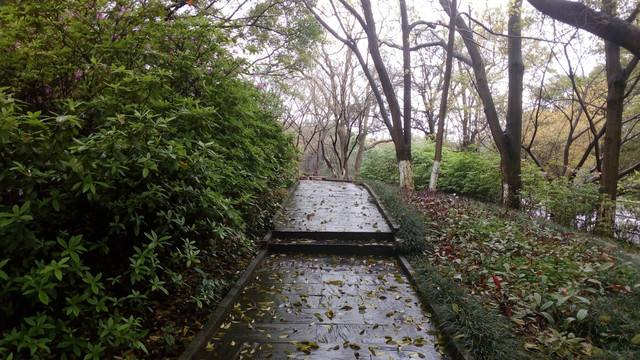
333	114
617	32
394	109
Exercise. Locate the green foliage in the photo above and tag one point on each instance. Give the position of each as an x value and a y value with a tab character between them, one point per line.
462	172
478	332
286	26
380	164
412	234
566	202
567	296
472	175
133	157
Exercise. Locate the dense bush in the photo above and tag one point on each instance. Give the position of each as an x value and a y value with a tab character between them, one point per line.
133	155
567	202
462	172
471	174
380	164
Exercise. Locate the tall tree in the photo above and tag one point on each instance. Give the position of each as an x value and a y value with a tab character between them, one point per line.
435	169
616	32
511	154
616	84
397	118
508	141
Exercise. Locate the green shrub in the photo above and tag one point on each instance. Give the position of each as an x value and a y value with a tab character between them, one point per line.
380	164
133	156
566	202
472	175
462	172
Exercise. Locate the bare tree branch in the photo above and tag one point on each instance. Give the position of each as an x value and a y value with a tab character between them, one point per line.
608	27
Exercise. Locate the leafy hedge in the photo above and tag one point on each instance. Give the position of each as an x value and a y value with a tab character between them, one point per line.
133	155
465	173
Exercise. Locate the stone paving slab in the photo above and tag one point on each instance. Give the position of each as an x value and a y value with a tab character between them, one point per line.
326	307
331	207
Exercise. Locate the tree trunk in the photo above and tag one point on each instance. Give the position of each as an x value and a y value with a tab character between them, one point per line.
362	137
399	130
405	169
435	169
605	223
512	139
602	24
359	156
509	141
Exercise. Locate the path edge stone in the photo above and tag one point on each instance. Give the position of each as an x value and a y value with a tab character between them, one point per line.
284	202
212	325
264	243
392	224
452	346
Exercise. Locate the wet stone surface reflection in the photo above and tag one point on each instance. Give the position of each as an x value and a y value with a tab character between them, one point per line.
326	307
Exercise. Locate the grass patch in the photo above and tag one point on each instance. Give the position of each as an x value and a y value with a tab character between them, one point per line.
412	236
478	332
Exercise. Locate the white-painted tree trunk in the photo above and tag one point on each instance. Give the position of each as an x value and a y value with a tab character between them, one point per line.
405	169
435	171
506	192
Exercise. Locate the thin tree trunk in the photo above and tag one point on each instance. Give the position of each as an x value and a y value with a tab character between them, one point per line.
605	223
362	137
509	141
511	156
405	169
435	170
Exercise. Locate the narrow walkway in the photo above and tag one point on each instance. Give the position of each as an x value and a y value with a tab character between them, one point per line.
331	207
332	217
311	306
326	307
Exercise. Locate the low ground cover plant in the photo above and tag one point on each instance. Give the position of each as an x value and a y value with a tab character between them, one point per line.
554	293
566	294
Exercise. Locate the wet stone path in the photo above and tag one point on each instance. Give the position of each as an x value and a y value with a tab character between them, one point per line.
302	305
331	207
326	307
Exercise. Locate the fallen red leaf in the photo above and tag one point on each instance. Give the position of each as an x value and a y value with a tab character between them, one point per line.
497	282
620	287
